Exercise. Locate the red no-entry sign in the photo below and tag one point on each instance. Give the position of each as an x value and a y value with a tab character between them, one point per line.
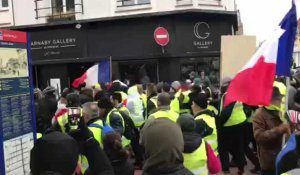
161	36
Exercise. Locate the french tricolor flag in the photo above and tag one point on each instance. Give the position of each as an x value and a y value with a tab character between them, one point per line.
253	85
99	73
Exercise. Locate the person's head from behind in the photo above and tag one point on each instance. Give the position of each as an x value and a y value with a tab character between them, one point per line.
166	87
116	98
90	111
199	103
186	123
73	100
196	89
63	97
159	87
105	105
112	144
56	153
276	97
151	89
116	86
163	100
163	142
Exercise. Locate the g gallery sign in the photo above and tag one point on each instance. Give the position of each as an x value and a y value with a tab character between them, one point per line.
202	34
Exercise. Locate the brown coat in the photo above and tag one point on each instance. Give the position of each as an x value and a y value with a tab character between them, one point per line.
268	137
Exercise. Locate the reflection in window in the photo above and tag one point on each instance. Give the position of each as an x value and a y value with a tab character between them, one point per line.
57	6
70	5
4	3
132	2
210	66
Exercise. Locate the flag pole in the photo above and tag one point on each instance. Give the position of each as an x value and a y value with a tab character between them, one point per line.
288	84
110	68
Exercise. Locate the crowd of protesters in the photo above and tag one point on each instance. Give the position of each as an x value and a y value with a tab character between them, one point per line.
177	128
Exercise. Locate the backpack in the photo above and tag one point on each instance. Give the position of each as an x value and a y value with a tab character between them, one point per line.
105	129
130	131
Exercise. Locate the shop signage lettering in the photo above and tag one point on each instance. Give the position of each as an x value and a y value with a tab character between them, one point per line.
53	42
202	34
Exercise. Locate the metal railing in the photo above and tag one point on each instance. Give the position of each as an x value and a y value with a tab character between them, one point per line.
57	11
127	3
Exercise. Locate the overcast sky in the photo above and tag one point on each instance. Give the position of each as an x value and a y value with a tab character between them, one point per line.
259	17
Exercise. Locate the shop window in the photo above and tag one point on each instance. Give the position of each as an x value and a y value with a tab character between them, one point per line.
123	3
209	65
62	6
4	3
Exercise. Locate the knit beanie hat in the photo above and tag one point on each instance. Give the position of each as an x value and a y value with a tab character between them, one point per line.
186	122
55	152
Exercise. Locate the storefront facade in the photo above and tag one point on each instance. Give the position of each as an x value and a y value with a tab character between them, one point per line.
66	51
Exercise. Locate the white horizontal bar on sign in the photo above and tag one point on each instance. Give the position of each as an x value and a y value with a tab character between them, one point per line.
161	36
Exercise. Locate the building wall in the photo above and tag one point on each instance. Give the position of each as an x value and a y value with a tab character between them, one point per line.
22	12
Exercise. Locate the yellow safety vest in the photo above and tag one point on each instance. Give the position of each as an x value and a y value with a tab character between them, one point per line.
97	133
173	116
238	115
154	101
144	99
39	135
175	104
125	110
213	138
125	142
196	161
213	109
63	120
283	90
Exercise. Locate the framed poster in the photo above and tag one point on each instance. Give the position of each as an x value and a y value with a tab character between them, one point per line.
17	124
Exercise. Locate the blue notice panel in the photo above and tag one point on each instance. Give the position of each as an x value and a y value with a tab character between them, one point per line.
16	110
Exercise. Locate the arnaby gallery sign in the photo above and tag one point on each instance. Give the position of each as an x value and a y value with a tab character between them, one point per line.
56	44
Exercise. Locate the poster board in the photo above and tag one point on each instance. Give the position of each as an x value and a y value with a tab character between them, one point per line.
236	51
17	126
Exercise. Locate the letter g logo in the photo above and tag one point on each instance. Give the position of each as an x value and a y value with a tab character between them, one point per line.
201	30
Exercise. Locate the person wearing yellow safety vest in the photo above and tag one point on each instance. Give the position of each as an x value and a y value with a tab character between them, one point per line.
205	121
163	110
269	130
151	98
131	132
283	90
181	102
211	102
230	126
142	95
198	155
111	115
135	106
91	117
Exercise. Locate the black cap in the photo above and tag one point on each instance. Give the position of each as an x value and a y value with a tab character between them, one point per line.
55	152
186	122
